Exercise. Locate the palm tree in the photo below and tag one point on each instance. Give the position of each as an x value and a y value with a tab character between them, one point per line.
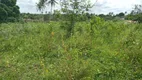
42	4
52	3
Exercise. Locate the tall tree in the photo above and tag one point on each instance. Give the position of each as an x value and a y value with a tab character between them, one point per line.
10	3
9	11
52	3
42	4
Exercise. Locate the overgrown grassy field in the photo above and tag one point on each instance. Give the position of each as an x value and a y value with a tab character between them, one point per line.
40	51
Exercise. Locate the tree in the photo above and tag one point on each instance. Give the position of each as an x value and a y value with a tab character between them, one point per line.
42	4
9	11
121	14
110	14
137	9
136	14
8	3
3	15
52	3
71	10
57	14
16	11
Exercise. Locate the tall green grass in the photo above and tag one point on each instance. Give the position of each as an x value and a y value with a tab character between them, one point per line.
40	51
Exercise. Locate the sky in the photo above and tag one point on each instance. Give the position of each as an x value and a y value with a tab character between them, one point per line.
101	6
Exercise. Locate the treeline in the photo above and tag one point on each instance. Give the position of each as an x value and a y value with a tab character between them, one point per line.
136	14
9	11
53	17
58	16
79	14
112	16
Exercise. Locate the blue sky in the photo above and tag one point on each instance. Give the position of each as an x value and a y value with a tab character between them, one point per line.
102	6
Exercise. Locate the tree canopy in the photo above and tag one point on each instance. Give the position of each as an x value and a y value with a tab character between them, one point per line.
9	11
136	14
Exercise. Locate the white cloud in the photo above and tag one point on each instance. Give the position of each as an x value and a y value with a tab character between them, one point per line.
102	6
115	6
27	6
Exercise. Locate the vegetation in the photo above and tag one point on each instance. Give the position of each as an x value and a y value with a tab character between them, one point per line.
41	51
136	14
42	4
113	17
9	11
73	45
